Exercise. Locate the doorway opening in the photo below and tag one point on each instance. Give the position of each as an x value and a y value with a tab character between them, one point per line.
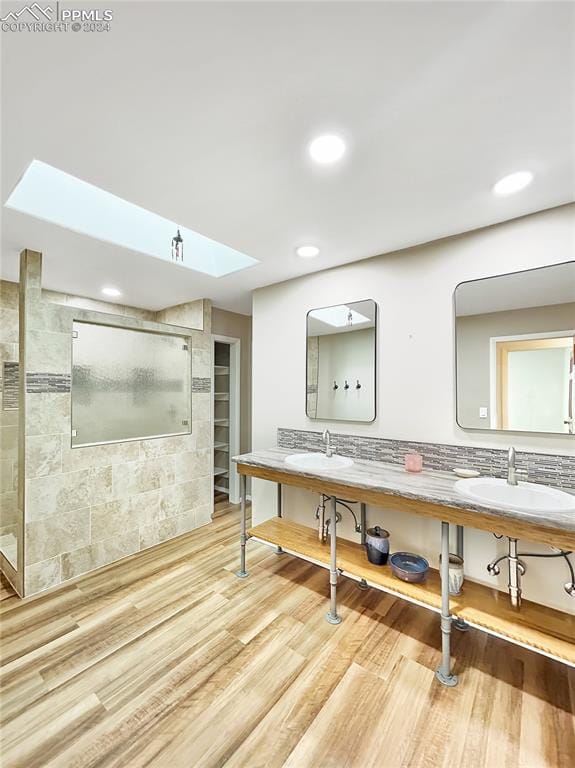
226	420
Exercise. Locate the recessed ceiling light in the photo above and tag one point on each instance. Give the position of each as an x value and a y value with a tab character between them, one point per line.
307	251
513	183
112	292
327	149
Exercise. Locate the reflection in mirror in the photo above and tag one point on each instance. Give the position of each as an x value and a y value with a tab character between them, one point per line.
515	347
341	344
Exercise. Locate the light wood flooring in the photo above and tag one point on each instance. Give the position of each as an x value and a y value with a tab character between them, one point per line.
167	659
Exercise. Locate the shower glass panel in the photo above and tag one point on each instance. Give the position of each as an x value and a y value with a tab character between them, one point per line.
128	384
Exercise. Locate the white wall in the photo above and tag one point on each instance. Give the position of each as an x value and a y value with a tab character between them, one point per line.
414	291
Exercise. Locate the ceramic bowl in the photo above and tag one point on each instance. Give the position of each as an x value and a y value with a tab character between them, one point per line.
409	567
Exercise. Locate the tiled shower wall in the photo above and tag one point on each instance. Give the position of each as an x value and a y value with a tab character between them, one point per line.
312	374
87	507
540	467
10	523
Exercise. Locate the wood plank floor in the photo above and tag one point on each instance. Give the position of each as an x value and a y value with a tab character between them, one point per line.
167	659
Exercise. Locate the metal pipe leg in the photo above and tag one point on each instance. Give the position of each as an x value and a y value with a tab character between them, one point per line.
363	523
322	524
242	573
514	575
362	584
459	624
459	544
279	508
332	616
444	674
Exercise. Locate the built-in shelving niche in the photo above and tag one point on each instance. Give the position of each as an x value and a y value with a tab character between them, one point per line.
221	421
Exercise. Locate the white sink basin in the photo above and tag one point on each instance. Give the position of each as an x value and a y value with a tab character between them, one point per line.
318	461
523	497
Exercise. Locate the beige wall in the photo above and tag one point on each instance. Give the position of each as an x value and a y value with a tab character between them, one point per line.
416	376
473	350
240	327
86	507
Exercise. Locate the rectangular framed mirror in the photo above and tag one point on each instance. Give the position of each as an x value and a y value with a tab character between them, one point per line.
341	362
515	350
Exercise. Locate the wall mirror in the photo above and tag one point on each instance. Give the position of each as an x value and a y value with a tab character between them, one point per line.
128	384
341	362
515	337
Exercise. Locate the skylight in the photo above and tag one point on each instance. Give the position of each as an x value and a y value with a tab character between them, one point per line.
55	196
339	316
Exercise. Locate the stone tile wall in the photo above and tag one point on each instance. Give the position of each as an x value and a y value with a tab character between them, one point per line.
312	375
10	518
89	506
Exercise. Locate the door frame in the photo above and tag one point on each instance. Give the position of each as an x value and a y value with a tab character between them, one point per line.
498	345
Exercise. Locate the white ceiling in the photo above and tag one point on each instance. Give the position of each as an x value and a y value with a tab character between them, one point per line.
202	112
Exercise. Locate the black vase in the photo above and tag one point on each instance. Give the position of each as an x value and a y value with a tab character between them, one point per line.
377	545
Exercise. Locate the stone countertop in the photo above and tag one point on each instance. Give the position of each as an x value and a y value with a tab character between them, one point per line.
430	485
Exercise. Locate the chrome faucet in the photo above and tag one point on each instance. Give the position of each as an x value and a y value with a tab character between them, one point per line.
512	470
326	438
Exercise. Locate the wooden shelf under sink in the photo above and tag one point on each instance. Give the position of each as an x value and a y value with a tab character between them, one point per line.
536	626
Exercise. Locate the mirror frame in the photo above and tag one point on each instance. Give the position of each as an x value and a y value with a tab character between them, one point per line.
489	430
375	363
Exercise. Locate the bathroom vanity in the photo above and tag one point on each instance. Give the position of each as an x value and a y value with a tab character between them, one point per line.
430	494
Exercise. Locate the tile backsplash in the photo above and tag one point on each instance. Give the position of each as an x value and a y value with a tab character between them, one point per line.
10	386
48	382
541	467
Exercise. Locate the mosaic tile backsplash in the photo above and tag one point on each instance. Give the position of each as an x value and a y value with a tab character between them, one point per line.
57	382
201	384
541	467
48	382
10	383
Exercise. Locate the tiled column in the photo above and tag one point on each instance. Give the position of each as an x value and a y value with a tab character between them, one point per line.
45	404
29	298
11	521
